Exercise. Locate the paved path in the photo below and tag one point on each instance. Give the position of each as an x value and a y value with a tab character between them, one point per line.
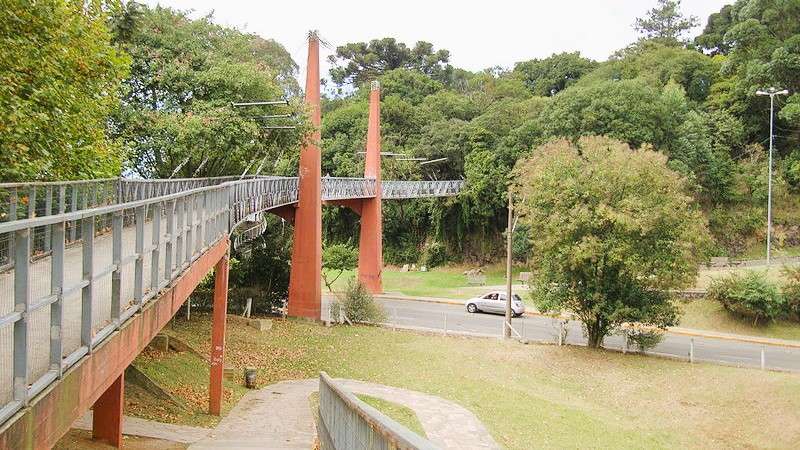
435	316
279	417
135	426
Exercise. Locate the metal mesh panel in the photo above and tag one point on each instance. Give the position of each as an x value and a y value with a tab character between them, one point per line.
38	343
71	308
5	249
6	363
71	331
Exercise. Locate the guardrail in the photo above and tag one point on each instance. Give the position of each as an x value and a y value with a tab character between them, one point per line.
56	306
78	259
417	189
347	423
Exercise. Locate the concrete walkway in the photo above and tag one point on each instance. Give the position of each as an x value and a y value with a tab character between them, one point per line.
135	426
279	417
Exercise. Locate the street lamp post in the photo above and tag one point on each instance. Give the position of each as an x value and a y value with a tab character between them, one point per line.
771	92
509	233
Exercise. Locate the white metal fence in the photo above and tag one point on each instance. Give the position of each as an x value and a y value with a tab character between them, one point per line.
347	423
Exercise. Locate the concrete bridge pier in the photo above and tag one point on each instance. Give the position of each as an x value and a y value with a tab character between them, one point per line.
370	242
305	285
107	413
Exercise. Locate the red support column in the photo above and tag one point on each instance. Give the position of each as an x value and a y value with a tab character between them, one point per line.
218	336
107	413
305	288
370	243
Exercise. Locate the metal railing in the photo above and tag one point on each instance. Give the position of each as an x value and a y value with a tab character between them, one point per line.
345	188
417	189
347	423
56	307
78	259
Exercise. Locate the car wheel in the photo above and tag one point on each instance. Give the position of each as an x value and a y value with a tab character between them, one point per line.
472	308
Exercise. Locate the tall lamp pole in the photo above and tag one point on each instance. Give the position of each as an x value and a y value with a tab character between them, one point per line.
771	92
509	232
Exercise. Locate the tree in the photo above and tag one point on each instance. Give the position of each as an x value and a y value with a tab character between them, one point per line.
760	41
628	110
552	75
665	23
612	231
359	62
59	81
336	258
184	75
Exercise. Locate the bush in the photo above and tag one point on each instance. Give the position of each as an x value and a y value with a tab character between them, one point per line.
435	254
643	340
791	291
357	304
750	296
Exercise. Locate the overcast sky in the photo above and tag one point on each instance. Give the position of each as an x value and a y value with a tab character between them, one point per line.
479	35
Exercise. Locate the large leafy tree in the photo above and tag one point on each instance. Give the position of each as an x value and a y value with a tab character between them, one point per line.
612	228
552	75
358	62
177	105
760	41
628	110
59	80
665	23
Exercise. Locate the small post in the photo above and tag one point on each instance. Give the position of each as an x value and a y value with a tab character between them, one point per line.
560	333
394	319
218	336
247	307
445	323
691	351
763	357
188	309
625	344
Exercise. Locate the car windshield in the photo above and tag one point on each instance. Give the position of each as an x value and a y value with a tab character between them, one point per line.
517	298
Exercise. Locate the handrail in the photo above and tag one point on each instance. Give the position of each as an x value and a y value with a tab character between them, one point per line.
112	247
348	423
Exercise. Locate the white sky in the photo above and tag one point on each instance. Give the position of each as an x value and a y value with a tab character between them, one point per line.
478	34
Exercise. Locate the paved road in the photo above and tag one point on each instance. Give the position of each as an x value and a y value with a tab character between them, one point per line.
435	315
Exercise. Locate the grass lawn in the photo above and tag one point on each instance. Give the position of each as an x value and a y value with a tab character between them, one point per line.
704	278
401	414
444	282
527	395
186	377
709	315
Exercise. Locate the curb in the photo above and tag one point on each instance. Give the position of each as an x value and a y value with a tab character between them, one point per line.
673	330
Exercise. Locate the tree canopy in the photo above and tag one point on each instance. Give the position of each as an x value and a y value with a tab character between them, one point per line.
665	23
552	75
176	107
612	229
359	62
59	78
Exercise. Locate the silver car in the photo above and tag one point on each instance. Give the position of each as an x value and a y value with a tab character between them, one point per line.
495	302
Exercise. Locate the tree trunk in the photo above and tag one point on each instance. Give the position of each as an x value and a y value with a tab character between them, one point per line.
595	333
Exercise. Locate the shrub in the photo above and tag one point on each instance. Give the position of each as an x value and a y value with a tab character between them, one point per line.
357	304
791	291
750	296
435	254
643	340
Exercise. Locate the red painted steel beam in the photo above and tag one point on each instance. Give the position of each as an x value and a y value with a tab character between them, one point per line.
305	286
51	413
218	336
370	243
